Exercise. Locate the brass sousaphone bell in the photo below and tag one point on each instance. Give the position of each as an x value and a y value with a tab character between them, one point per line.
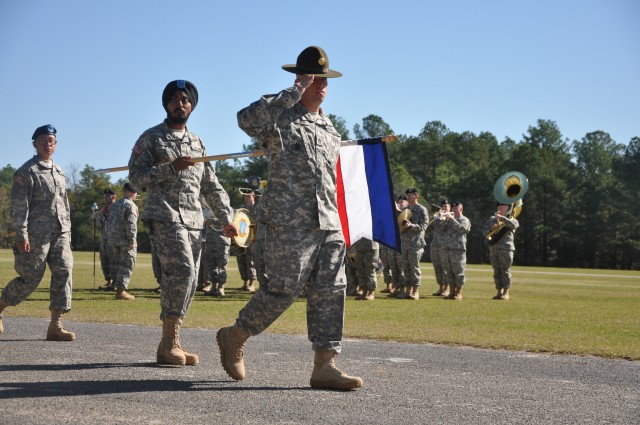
510	189
405	214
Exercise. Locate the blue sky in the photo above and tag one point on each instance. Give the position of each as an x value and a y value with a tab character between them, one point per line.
96	69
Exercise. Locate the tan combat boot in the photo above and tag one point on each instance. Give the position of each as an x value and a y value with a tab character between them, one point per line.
250	287
56	332
189	358
169	351
505	294
445	290
220	290
498	295
368	296
404	293
458	293
206	287
388	289
121	294
326	375
439	292
231	342
415	295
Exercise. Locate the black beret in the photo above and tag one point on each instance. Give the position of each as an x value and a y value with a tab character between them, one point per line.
444	201
45	129
184	85
456	203
108	191
502	203
402	198
131	188
411	190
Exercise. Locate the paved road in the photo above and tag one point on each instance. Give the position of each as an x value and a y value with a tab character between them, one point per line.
108	376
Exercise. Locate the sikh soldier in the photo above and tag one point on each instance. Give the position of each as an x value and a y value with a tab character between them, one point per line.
413	244
41	218
102	219
454	250
501	248
123	229
161	162
304	244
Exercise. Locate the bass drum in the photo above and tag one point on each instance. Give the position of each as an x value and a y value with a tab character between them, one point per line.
246	229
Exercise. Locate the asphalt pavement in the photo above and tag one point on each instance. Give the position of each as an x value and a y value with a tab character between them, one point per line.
109	376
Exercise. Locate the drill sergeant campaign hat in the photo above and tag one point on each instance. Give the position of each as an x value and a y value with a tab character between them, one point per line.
44	130
312	61
185	86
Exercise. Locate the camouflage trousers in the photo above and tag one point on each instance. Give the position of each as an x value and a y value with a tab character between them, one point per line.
438	264
410	266
122	260
215	259
366	263
178	250
351	274
245	263
296	257
257	252
105	265
454	262
501	261
31	267
155	262
394	267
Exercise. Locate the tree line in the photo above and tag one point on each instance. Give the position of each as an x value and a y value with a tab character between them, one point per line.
581	209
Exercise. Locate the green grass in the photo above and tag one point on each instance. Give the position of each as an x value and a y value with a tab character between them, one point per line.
573	311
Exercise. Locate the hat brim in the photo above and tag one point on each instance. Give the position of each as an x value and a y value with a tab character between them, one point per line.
329	74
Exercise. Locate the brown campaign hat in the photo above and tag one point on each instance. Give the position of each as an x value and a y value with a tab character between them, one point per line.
312	61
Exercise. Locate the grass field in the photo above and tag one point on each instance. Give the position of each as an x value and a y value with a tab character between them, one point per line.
572	311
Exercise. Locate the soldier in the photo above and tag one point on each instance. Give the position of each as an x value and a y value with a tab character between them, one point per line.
161	162
102	220
244	256
40	216
413	244
366	262
123	229
501	248
454	250
437	227
304	243
215	255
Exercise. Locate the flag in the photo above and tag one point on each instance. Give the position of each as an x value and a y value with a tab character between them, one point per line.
365	195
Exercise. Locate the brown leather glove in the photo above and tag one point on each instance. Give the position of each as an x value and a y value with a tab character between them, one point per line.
182	163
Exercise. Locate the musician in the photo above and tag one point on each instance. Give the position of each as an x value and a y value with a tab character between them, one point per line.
367	255
161	162
102	220
304	243
215	256
454	249
413	243
41	218
123	229
437	228
391	258
501	248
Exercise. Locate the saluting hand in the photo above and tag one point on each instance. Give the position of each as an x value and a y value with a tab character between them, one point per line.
303	81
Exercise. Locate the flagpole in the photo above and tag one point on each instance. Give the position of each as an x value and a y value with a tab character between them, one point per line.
222	157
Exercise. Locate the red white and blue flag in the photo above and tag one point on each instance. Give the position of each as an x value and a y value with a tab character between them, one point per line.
365	195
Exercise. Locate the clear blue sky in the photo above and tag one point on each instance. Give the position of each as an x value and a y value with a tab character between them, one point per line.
96	69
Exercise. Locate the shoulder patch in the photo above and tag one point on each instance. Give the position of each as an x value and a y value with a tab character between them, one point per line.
137	149
18	180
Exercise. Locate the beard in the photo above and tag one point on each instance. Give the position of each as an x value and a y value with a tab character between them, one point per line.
176	118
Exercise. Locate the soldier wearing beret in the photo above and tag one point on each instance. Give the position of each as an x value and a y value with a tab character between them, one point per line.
40	215
304	243
123	229
102	221
437	226
454	250
501	248
161	163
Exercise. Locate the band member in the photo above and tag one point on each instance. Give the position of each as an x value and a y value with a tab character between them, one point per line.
161	163
102	220
366	262
41	218
413	243
215	255
501	248
437	227
454	244
304	243
244	256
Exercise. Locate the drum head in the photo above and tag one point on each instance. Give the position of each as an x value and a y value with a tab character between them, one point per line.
245	230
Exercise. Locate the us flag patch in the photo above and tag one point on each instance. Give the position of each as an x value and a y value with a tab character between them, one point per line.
137	149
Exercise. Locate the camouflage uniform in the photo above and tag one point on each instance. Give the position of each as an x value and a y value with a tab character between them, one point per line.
366	261
216	253
413	244
303	237
40	214
123	229
102	219
173	211
501	252
454	252
437	228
